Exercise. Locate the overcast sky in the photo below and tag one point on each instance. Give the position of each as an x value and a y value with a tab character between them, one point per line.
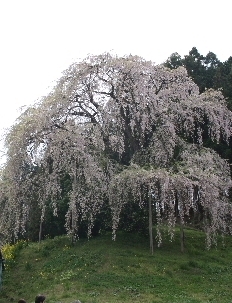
41	38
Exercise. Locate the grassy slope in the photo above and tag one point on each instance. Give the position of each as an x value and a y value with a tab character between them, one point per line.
101	270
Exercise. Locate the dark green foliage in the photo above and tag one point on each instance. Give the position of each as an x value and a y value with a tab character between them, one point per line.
223	79
103	220
174	61
134	218
206	71
194	63
55	225
201	69
52	225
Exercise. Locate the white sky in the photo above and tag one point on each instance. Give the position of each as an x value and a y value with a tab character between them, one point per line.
41	38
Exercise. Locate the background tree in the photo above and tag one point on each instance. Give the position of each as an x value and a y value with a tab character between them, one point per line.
206	71
223	79
202	69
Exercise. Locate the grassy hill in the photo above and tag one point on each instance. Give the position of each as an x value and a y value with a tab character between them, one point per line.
100	270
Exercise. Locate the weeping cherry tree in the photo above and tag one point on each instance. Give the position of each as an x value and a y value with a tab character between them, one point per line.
123	129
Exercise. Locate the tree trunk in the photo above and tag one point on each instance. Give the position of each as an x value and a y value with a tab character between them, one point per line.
41	220
40	229
75	188
182	238
150	221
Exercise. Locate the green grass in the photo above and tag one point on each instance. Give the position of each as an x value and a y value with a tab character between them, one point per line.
100	270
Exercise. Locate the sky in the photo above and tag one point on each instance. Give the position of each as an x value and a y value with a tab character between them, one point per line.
41	38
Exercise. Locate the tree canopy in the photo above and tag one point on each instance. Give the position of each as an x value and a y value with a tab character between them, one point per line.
123	130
